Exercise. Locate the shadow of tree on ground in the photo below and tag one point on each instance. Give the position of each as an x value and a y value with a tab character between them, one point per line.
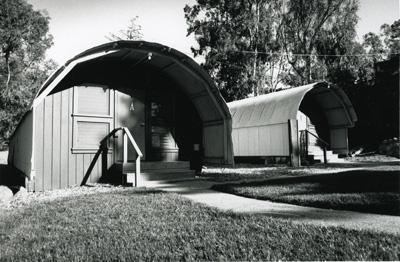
358	190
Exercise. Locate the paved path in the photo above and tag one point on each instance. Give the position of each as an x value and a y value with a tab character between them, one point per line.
200	192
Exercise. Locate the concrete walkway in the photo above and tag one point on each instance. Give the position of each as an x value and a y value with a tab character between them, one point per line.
199	191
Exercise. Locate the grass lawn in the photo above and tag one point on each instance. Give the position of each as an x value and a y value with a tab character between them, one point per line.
134	224
249	172
372	191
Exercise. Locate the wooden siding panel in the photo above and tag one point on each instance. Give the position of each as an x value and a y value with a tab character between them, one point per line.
99	174
71	157
95	173
213	144
79	168
263	140
56	145
271	140
73	169
242	141
55	164
39	138
47	145
253	141
86	163
64	152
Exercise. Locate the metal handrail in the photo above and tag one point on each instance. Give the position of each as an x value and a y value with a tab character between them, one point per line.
326	144
133	142
103	147
104	140
317	137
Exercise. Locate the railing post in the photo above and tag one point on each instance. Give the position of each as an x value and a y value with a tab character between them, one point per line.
137	170
325	159
125	148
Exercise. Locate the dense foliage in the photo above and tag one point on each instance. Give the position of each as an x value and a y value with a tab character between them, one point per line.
258	46
234	37
253	46
24	39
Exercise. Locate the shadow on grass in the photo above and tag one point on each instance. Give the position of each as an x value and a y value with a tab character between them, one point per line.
357	190
344	182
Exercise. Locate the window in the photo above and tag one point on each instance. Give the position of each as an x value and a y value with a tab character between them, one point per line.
92	117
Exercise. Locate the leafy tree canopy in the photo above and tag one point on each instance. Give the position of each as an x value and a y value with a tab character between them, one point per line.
24	40
225	30
132	32
253	44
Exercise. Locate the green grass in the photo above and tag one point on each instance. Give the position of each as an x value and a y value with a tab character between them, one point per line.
141	225
358	190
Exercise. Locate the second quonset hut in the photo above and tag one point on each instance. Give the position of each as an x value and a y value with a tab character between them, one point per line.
292	124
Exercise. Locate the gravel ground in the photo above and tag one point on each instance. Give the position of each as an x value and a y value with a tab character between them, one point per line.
36	197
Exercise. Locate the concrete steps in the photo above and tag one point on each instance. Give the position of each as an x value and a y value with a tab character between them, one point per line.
154	172
316	155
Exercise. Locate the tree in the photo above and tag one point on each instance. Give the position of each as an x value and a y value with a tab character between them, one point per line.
314	34
235	37
132	32
24	39
391	37
250	45
23	36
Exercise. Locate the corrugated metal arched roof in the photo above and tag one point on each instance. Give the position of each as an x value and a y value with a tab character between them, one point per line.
191	78
280	106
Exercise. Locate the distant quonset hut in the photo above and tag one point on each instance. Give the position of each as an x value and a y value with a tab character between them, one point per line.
293	124
133	107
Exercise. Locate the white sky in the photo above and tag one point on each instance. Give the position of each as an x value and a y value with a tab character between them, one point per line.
77	25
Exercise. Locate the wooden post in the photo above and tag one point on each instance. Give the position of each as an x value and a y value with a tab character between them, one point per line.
137	170
294	151
325	158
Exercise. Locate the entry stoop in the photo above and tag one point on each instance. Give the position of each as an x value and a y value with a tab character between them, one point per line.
152	173
316	155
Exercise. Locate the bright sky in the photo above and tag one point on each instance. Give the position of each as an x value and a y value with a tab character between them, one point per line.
77	25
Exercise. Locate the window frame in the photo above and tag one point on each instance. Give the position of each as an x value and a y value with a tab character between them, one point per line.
93	118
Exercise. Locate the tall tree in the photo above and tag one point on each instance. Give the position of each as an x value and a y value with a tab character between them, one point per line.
314	34
391	37
250	45
24	36
235	37
132	32
24	39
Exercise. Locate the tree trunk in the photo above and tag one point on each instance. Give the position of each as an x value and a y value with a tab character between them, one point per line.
8	74
255	82
255	87
308	78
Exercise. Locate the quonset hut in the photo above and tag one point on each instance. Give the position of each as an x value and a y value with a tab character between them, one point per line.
133	107
292	124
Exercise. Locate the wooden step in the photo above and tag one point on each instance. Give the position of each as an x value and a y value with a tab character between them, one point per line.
154	172
161	166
